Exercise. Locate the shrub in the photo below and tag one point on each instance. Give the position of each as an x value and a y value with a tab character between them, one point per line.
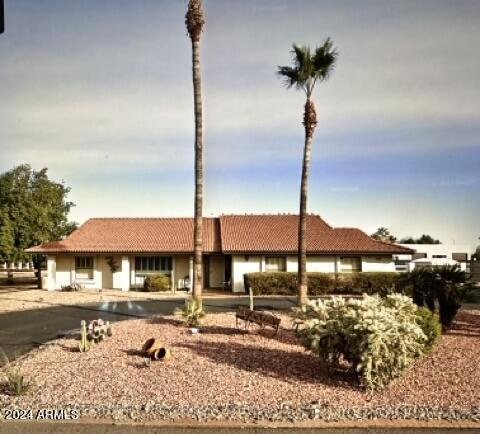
157	282
192	312
445	287
285	283
378	337
16	384
430	323
369	283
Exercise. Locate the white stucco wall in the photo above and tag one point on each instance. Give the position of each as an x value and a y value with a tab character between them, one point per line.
104	267
442	249
51	272
241	266
182	269
65	267
384	264
315	264
122	279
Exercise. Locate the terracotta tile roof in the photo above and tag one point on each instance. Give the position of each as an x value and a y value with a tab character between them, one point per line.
279	233
228	233
136	235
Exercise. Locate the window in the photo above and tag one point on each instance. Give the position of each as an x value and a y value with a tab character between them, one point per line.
350	264
419	256
84	267
460	257
439	256
275	263
152	264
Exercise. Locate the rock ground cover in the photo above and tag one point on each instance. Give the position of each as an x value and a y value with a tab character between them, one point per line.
13	299
223	373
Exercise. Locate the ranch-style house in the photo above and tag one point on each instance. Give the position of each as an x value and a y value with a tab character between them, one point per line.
119	253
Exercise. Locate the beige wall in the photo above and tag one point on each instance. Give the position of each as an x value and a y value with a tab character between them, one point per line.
106	276
378	264
315	264
65	270
182	268
241	266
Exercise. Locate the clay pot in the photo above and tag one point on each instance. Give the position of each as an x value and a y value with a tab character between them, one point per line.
162	354
155	349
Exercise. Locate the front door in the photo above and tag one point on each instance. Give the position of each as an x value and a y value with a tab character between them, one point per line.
206	271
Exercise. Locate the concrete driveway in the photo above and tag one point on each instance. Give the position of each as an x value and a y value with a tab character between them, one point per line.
23	330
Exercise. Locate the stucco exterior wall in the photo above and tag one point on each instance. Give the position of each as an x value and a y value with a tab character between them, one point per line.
51	272
315	264
240	266
65	270
182	269
384	264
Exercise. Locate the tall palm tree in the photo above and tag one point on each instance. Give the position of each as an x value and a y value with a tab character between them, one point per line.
308	69
194	20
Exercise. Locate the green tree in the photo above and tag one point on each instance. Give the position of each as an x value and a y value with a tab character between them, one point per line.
424	239
383	234
476	255
194	20
33	210
308	69
7	239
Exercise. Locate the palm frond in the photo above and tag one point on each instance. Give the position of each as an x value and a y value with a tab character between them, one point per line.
289	75
309	68
324	60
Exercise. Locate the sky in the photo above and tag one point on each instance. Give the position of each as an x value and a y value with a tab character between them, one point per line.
100	93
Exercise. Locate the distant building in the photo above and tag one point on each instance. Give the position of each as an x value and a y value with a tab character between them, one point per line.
428	255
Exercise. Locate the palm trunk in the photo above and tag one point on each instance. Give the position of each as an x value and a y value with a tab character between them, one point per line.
310	121
197	230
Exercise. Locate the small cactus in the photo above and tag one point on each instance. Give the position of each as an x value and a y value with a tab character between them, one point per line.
85	344
98	329
250	295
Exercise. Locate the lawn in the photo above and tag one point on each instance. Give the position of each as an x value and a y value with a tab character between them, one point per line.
225	373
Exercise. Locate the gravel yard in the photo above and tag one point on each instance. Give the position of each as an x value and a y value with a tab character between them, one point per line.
13	299
223	373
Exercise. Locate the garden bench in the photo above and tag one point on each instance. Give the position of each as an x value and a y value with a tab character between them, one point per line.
263	319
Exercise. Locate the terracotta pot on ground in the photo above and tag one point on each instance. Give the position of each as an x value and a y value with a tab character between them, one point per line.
162	354
155	350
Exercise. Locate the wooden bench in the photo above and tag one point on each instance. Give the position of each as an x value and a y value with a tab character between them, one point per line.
263	319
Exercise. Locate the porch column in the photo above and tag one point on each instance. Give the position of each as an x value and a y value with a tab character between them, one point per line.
190	273
174	284
51	273
125	279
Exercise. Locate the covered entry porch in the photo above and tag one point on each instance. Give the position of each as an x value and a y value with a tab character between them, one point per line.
125	272
216	270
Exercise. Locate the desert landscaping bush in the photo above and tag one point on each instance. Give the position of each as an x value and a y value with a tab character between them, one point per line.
441	289
156	283
432	327
285	283
377	337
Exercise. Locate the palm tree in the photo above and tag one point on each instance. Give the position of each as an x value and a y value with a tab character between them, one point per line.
194	20
308	69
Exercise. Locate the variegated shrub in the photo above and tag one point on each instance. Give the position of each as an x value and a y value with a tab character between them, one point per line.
378	337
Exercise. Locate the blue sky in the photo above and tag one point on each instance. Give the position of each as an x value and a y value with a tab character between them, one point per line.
101	94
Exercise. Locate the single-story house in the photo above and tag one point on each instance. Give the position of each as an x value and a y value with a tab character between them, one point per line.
120	252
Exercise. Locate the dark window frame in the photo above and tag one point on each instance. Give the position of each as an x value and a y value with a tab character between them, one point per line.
153	264
282	268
